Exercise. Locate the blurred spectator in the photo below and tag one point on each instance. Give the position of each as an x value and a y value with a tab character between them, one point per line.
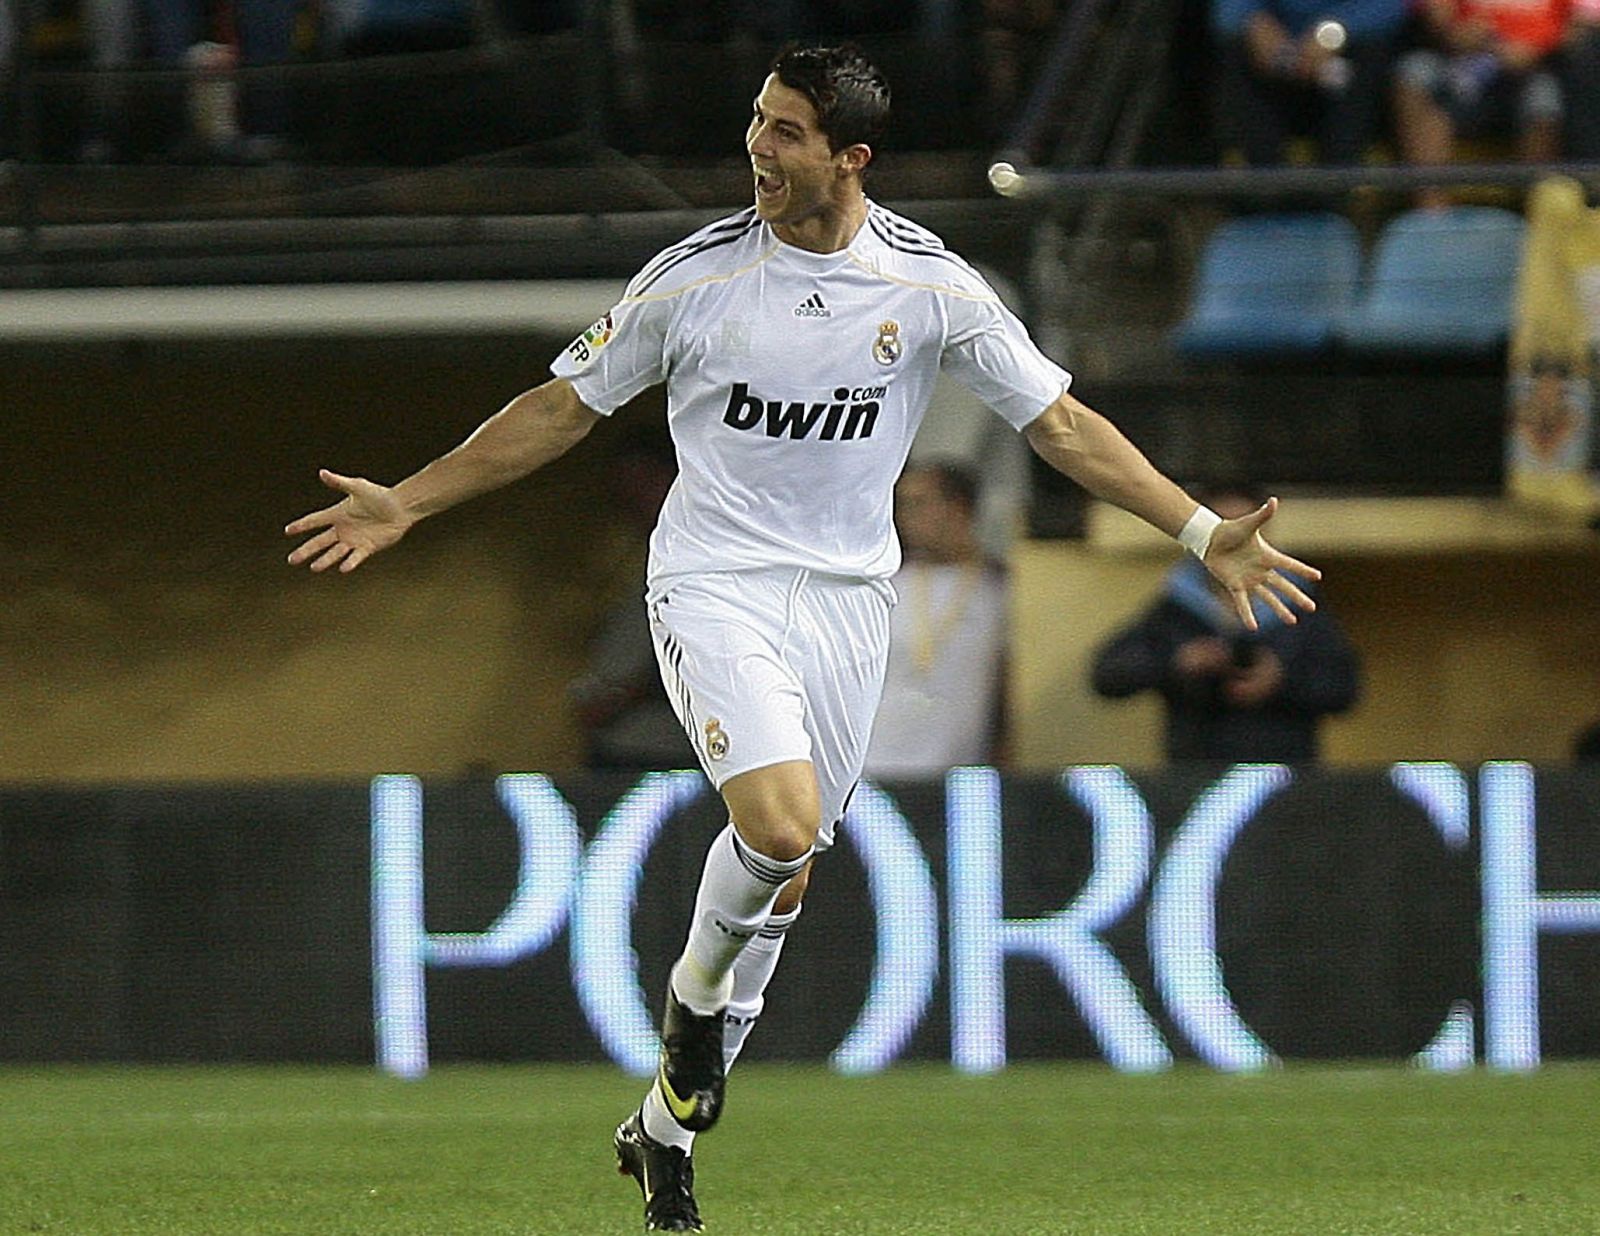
111	35
247	119
942	695
1586	745
1486	73
1304	68
1232	695
627	720
1014	37
1580	63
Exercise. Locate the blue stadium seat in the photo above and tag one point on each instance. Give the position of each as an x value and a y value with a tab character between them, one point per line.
1442	283
1271	286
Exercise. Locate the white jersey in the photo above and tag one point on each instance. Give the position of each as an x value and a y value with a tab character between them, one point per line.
795	384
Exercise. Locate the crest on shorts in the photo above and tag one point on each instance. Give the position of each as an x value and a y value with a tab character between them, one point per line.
716	739
887	347
583	348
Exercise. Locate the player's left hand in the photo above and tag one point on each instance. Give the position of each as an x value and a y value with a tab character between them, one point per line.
369	518
1247	566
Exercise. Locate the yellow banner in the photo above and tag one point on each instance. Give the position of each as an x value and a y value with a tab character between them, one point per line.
1550	428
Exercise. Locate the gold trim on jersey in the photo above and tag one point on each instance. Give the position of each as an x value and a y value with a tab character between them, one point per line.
702	281
990	299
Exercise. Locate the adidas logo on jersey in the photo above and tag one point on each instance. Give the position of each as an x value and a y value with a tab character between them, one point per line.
812	307
851	415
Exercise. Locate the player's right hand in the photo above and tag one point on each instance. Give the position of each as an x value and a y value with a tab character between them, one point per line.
369	518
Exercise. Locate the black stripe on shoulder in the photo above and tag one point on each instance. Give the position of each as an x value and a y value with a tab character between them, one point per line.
919	250
721	227
910	231
712	240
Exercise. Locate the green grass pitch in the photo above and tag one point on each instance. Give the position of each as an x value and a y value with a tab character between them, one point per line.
1061	1148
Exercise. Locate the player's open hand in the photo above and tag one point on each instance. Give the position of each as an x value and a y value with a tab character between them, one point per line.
369	518
1247	567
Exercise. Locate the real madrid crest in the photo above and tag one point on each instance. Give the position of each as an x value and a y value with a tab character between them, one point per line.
716	739
887	347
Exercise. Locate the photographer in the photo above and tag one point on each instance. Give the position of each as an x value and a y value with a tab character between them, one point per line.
1231	695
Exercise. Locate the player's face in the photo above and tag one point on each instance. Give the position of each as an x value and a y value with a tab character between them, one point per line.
796	174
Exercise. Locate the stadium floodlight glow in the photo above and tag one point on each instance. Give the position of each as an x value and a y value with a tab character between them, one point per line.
1514	912
981	937
1183	919
1441	791
906	966
605	965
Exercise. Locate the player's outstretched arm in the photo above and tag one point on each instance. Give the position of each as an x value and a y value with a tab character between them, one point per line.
534	428
1080	443
1240	557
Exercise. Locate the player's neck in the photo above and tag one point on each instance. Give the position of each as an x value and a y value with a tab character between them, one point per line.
827	230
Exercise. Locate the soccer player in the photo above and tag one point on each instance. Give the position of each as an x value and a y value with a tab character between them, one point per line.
799	340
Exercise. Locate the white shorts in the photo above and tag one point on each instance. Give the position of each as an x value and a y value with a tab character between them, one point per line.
768	666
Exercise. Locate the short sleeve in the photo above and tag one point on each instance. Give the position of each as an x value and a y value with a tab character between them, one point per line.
619	356
988	350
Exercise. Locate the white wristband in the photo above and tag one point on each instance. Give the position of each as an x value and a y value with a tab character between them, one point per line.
1195	536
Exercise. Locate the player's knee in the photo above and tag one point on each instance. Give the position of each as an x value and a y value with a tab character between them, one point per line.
776	810
778	835
793	893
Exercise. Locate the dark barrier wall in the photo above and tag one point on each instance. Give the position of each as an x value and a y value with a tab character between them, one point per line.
1235	916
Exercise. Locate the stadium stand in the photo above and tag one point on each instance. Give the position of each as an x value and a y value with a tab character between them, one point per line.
1272	285
1441	283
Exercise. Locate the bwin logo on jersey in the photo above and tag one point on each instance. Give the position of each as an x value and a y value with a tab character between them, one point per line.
812	307
852	414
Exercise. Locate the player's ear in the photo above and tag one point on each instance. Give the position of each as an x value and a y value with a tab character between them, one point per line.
854	158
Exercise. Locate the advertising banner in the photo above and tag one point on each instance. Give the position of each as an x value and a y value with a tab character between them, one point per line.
1236	916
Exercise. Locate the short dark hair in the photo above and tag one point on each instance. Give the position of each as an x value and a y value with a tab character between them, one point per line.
850	95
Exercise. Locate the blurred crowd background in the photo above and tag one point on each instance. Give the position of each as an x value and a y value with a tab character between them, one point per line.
1284	243
420	81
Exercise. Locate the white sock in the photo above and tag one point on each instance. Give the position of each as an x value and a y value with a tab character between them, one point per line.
660	1126
751	974
738	887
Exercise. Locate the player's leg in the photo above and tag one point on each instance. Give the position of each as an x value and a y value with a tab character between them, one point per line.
843	679
740	914
774	814
756	965
724	649
719	642
671	1144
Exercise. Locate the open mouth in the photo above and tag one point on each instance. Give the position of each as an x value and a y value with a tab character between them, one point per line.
769	184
